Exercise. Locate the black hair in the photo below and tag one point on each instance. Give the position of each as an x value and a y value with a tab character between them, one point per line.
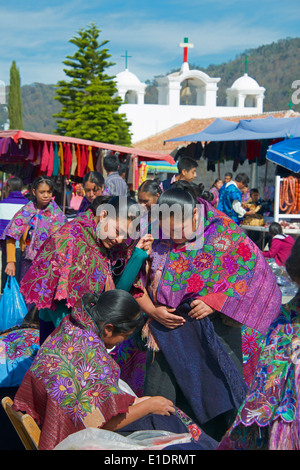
242	178
275	229
254	191
41	180
228	174
186	163
185	200
116	307
216	180
124	207
111	163
150	186
122	169
292	264
14	184
196	190
93	177
98	201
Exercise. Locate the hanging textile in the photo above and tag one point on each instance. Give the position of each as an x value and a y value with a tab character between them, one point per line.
56	160
74	161
51	160
45	157
90	159
61	158
143	170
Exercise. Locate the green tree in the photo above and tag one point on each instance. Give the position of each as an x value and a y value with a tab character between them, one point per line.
89	99
15	108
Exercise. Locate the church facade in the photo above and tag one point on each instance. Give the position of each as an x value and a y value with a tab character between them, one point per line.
176	92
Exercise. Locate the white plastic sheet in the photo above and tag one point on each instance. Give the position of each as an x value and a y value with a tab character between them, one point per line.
100	439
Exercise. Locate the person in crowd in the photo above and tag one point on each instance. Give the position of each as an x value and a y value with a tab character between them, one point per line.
228	177
268	419
255	197
217	185
74	383
187	170
245	195
148	193
93	186
76	260
115	184
31	226
203	280
77	197
122	170
13	201
230	201
281	244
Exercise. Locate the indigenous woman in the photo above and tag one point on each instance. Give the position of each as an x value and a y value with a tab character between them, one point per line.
93	186
204	279
148	193
217	185
75	260
74	383
269	417
32	225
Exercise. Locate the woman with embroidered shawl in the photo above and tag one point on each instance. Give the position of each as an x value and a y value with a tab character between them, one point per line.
269	418
73	382
201	286
75	260
32	225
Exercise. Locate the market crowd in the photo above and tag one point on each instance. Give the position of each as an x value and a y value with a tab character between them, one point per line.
130	326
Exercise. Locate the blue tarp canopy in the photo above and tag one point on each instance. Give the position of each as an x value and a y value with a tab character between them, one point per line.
286	153
246	129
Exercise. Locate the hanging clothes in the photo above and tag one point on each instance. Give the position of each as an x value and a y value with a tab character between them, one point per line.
74	161
45	157
51	160
61	158
90	159
56	160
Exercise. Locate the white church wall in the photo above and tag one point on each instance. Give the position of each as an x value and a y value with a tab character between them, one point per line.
150	119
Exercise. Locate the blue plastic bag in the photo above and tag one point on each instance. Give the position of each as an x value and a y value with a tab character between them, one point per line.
12	305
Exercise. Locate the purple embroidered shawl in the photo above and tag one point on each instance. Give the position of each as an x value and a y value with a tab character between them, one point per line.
228	272
45	222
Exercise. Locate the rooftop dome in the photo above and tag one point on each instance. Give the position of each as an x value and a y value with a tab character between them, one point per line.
127	78
245	83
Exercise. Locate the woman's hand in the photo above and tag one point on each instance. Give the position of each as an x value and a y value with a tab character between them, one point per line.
161	406
10	269
200	309
165	316
145	243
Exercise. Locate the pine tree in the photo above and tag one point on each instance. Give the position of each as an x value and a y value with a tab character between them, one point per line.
89	99
15	108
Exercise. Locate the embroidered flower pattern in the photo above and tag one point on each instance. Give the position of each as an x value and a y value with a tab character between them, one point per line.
230	264
203	261
195	283
222	242
180	265
244	251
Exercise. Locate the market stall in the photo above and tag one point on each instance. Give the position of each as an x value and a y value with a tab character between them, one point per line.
33	153
287	188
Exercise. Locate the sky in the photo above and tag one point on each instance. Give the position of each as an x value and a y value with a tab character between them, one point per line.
36	34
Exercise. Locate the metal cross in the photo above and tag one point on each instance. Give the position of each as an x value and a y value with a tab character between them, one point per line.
126	58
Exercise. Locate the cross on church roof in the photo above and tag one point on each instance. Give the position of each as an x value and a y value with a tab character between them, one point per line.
246	63
185	46
126	58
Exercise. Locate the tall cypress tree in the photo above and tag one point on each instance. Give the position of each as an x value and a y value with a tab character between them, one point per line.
15	107
89	100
